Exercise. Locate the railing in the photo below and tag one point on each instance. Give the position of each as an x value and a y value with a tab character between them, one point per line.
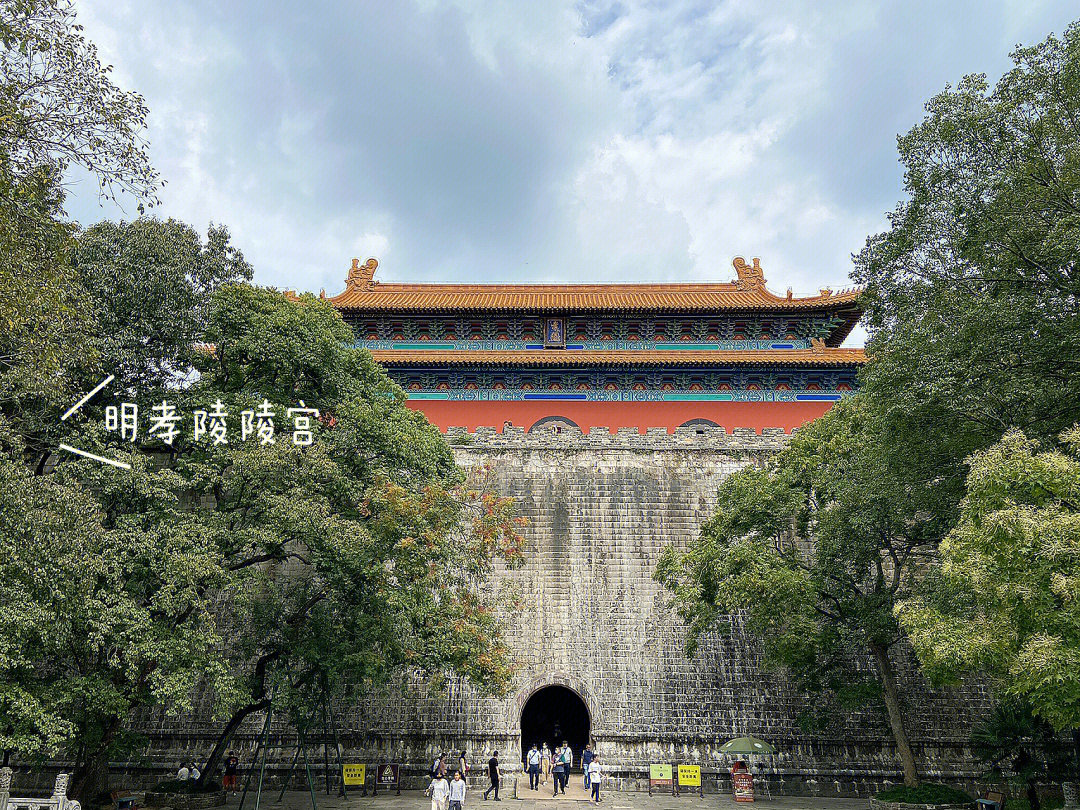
58	800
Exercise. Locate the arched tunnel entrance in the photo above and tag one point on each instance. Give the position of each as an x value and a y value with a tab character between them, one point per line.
554	715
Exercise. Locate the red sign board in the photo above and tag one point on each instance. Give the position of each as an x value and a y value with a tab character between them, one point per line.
743	786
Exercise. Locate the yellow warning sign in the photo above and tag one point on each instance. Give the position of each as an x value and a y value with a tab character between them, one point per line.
689	776
354	774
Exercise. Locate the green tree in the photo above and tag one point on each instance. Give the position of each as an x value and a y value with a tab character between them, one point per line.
44	314
814	549
1021	748
972	296
59	110
59	107
102	581
971	299
242	567
149	284
1004	603
362	555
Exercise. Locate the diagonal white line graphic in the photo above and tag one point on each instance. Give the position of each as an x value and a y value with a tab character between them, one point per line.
86	398
102	459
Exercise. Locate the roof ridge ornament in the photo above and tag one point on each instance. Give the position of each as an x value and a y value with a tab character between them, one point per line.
817	346
749	277
361	277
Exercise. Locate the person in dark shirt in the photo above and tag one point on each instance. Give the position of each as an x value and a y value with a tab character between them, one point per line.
232	766
493	775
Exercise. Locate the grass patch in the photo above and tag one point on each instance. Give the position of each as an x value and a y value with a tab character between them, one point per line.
926	793
1021	803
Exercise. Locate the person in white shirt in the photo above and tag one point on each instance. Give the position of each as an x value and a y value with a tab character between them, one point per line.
533	761
183	774
195	772
595	777
457	792
439	791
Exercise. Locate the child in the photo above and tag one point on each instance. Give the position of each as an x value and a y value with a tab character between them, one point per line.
594	777
457	792
232	766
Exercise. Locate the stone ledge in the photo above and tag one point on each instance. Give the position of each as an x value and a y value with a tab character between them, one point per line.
599	437
878	804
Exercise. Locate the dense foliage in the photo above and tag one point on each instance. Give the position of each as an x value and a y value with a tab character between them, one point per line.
973	296
1021	749
814	549
1004	601
243	567
973	303
227	570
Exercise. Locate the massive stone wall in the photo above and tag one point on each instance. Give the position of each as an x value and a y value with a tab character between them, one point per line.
600	508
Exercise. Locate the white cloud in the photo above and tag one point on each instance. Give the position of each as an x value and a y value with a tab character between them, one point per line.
539	141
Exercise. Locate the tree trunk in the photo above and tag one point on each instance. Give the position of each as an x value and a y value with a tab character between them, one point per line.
1033	796
223	740
1069	788
91	777
1076	751
896	718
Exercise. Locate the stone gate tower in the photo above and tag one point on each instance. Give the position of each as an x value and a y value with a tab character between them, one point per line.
688	382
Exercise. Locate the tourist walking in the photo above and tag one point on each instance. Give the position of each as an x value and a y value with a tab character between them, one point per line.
458	789
439	791
232	767
586	760
532	762
567	759
545	764
595	777
493	775
463	765
557	768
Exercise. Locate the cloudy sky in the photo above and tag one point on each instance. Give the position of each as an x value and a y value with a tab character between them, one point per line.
541	141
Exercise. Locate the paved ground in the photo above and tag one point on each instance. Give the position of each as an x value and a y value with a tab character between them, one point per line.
574	799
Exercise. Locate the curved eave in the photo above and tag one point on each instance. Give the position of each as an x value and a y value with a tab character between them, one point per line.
840	333
554	357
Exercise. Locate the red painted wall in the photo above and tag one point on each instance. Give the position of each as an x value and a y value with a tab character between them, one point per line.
613	415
